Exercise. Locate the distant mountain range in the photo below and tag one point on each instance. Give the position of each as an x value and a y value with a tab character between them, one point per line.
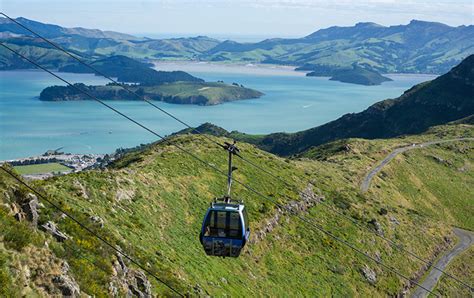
55	31
448	98
419	47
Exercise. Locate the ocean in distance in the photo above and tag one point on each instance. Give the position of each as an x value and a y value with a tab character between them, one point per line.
292	102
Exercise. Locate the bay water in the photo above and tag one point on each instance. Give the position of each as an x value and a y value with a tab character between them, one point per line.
292	102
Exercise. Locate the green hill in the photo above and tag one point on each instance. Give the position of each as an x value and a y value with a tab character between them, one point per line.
198	93
50	58
132	71
354	75
150	204
358	75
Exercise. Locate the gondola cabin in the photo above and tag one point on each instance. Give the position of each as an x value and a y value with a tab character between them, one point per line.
224	230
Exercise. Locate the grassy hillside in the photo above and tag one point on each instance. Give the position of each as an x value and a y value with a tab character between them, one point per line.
42	168
93	44
44	56
52	31
151	204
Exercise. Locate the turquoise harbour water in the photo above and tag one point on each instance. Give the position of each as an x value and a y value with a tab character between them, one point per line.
292	102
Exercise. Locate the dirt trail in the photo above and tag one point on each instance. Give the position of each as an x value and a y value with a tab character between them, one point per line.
368	178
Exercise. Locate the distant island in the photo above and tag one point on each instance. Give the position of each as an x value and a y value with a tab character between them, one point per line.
360	76
176	87
355	74
198	93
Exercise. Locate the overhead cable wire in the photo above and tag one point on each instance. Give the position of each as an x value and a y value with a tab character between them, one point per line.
315	225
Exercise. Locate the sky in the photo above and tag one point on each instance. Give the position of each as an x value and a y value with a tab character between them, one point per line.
233	18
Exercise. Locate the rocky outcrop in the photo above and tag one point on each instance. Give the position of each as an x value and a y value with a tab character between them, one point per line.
80	190
307	200
67	285
26	208
97	220
45	273
369	274
124	195
377	227
128	281
30	208
51	228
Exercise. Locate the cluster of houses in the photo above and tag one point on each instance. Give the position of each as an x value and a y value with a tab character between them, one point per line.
76	162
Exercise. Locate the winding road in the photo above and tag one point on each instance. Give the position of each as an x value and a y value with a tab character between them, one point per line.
368	178
466	238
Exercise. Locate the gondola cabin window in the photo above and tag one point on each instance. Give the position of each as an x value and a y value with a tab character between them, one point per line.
223	224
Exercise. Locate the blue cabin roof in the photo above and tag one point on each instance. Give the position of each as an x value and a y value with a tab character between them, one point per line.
227	206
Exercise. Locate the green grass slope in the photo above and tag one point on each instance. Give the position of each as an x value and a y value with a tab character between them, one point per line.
48	58
42	168
152	203
94	43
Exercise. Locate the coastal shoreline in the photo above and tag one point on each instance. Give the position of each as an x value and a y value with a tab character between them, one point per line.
227	67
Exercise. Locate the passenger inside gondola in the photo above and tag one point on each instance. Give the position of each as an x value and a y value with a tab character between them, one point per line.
223	224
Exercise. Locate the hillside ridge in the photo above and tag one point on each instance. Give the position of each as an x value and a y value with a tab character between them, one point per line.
393	49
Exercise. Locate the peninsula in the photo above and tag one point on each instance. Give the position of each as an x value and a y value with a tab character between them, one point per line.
176	87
